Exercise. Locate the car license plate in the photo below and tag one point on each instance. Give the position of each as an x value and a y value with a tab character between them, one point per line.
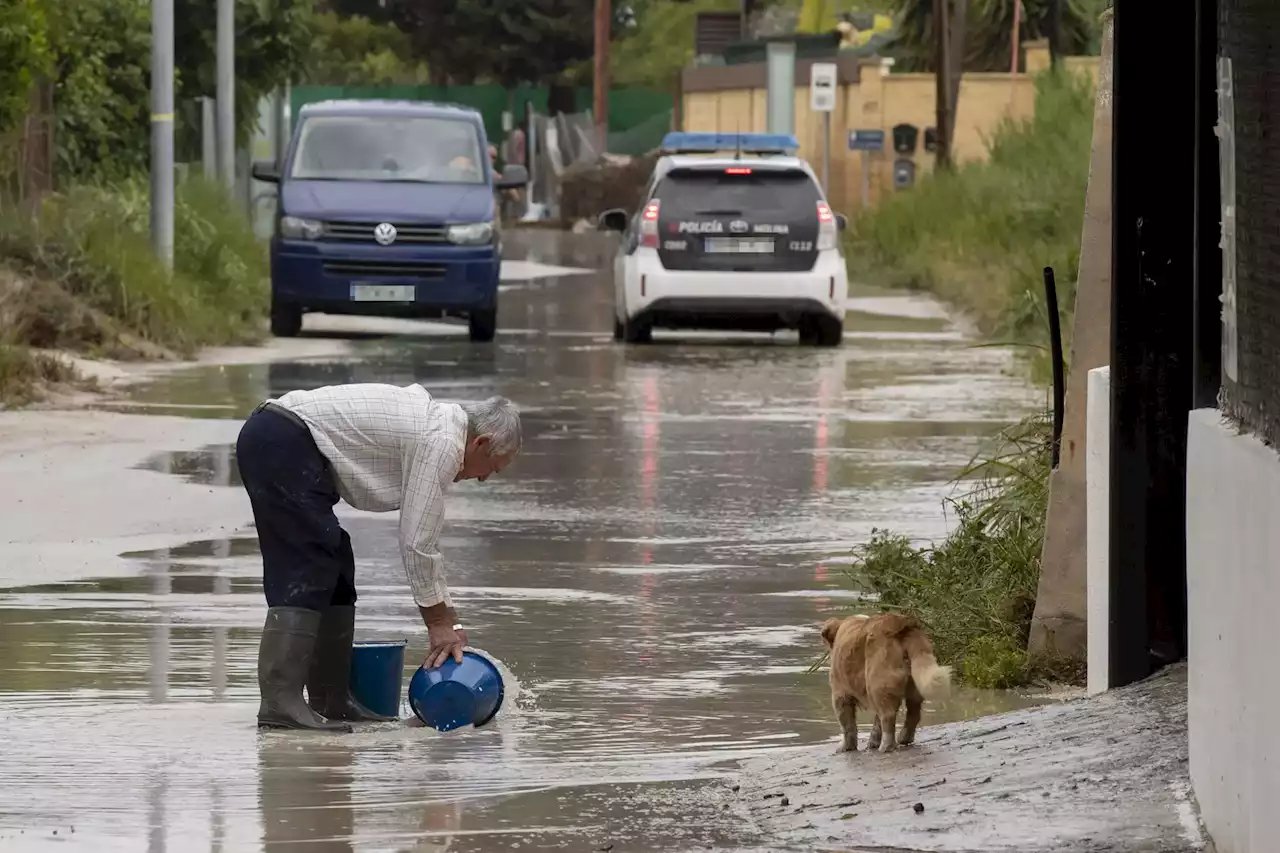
738	246
382	292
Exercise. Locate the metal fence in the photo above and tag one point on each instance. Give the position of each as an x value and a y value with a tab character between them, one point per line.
1250	182
566	143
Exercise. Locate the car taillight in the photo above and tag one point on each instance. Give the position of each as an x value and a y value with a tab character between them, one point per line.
737	170
649	225
828	234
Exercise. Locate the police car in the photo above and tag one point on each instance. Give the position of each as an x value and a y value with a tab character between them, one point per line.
734	233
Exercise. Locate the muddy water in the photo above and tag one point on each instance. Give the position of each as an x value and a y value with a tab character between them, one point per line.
652	569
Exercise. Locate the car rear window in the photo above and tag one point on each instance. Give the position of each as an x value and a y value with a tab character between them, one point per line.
708	192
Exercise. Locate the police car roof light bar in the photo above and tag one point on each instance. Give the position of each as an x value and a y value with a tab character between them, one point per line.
679	142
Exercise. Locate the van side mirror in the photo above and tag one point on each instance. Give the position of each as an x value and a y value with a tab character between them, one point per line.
513	177
612	220
842	221
266	171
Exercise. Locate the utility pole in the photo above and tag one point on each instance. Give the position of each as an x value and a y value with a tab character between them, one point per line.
226	93
1055	32
942	64
600	102
162	130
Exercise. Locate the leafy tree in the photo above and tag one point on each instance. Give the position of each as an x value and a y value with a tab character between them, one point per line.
506	41
989	30
659	41
273	43
356	51
817	16
101	64
101	86
24	56
378	11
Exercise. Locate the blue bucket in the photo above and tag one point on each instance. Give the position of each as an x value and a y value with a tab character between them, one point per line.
457	694
377	671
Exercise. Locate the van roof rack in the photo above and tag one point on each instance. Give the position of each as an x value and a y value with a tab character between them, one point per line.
679	142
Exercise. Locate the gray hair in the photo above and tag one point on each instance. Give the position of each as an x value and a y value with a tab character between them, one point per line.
499	419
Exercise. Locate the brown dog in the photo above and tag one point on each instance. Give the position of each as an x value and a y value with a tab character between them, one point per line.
879	662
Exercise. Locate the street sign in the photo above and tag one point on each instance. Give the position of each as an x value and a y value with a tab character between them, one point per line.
866	140
822	87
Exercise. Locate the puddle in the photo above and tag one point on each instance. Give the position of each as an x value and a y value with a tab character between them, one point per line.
210	466
654	569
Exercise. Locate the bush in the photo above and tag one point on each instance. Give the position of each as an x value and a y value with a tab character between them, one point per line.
586	191
981	235
23	374
92	245
975	592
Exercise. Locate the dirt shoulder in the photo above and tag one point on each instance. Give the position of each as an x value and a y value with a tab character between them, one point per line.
1104	773
78	493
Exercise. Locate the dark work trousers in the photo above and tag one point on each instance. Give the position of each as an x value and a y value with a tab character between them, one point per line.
306	555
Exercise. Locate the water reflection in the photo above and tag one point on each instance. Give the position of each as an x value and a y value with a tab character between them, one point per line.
305	793
214	465
157	824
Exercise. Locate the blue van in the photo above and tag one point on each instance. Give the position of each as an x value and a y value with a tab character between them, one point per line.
387	208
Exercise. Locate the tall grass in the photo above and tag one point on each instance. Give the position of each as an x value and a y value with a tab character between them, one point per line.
976	590
91	244
24	373
980	236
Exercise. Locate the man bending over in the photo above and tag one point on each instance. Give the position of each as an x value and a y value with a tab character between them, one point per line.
379	448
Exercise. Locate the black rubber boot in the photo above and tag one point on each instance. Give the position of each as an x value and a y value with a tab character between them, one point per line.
329	682
284	655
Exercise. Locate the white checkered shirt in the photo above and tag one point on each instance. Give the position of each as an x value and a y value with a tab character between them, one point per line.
392	448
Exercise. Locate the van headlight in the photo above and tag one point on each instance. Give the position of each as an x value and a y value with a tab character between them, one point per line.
471	234
293	228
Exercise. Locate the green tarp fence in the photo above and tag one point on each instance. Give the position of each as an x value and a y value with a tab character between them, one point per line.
635	115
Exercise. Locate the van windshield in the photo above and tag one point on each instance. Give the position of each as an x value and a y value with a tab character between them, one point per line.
388	148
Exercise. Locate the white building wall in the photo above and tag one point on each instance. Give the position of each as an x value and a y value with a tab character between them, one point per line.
1233	590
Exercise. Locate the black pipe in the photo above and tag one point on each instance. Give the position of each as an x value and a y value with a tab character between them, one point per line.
1055	352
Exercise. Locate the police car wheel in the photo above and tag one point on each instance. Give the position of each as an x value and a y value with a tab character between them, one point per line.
637	333
821	331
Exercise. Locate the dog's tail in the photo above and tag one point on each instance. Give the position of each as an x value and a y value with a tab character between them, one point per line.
933	681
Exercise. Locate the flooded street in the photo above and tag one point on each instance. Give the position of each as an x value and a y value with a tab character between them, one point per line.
653	569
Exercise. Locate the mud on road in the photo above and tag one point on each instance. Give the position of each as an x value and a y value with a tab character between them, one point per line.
1105	774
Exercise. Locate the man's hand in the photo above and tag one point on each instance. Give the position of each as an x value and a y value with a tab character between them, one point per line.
444	640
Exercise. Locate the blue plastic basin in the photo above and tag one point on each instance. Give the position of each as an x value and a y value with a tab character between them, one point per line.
457	694
377	672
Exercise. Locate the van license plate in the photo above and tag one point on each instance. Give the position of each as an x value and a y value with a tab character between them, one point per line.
382	292
738	246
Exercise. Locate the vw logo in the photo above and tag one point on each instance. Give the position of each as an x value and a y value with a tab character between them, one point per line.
385	234
738	226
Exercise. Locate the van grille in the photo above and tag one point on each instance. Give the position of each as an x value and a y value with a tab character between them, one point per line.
362	232
388	269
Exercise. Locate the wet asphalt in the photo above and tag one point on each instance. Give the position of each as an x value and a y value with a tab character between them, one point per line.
652	570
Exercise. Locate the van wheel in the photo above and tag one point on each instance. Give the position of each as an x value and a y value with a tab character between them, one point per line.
634	332
482	326
821	331
286	319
